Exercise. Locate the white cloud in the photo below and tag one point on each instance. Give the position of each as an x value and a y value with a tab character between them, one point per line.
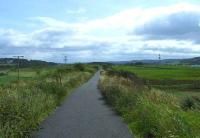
51	22
111	38
126	21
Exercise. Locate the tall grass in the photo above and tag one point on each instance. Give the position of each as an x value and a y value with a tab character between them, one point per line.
149	112
24	104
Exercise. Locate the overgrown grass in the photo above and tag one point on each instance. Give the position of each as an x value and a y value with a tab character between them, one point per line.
24	104
151	112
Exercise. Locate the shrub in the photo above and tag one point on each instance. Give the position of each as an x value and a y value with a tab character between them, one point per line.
38	72
106	66
79	67
3	73
188	103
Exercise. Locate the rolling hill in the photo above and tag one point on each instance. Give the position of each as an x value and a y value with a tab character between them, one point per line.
24	62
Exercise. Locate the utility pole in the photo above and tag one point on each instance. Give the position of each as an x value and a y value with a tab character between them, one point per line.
65	59
18	63
159	58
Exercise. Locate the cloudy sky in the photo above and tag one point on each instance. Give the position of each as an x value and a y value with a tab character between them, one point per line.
99	30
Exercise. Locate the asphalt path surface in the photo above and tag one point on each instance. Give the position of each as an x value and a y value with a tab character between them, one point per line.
84	114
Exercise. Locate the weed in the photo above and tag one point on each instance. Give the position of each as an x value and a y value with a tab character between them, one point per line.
151	113
25	104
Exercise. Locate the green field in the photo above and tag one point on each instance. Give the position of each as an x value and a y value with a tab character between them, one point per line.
163	72
11	74
184	78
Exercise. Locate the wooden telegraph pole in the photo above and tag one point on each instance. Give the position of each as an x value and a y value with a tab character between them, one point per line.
18	64
65	59
159	58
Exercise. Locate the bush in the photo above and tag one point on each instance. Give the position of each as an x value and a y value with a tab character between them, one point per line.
189	103
106	66
3	73
79	67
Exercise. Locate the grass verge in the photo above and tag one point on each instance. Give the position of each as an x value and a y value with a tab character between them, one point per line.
24	104
151	113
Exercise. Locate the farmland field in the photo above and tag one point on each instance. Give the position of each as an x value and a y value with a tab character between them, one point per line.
163	72
167	77
10	74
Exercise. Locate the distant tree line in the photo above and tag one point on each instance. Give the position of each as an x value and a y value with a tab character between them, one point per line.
9	62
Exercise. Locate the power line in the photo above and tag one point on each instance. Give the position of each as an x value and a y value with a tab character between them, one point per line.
18	64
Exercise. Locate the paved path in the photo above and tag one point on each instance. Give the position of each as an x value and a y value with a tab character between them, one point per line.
84	115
